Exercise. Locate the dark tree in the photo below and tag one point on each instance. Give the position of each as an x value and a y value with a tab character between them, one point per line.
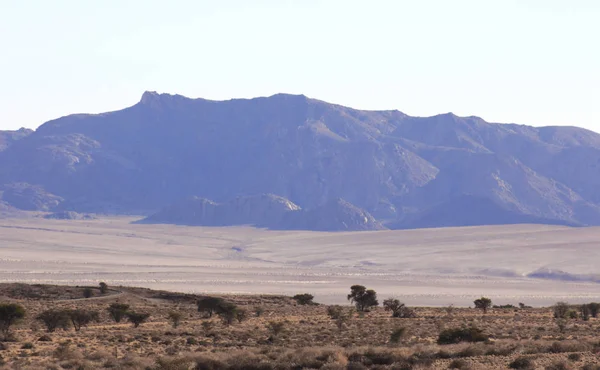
584	309
54	319
227	312
81	318
362	297
594	309
398	309
561	310
88	292
209	305
118	311
10	313
103	288
137	318
483	304
304	299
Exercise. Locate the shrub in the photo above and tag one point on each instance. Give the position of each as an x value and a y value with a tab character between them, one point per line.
258	311
483	304
335	312
175	318
558	365
304	299
471	334
88	292
137	318
397	334
81	318
241	315
362	297
103	288
574	357
561	310
118	311
459	364
523	363
27	345
398	309
10	313
54	319
275	327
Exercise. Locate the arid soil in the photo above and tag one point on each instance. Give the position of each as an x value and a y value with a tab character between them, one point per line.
307	338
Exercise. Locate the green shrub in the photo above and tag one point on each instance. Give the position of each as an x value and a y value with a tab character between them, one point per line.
10	313
304	299
118	311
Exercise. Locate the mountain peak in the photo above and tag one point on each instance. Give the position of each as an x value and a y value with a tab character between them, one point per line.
149	97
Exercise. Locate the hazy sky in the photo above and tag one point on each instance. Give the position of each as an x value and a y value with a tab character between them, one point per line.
524	61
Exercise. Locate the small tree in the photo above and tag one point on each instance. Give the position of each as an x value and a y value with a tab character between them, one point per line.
585	312
227	312
209	305
362	297
304	299
54	319
561	310
398	309
594	309
80	318
118	311
10	313
103	288
88	292
483	304
137	318
175	318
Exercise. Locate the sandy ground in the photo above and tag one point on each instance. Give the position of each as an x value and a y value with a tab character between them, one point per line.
422	267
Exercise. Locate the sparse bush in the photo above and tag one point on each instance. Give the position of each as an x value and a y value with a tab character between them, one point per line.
45	338
81	318
561	310
88	292
137	318
227	312
275	327
483	304
103	288
574	357
459	363
118	311
27	345
304	299
54	319
397	334
363	298
523	306
335	311
10	313
399	309
561	324
522	363
258	311
241	315
471	334
558	365
175	318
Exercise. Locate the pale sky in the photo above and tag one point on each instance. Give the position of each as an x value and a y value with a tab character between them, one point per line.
534	62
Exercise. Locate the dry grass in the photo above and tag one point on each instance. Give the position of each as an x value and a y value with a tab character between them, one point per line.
306	337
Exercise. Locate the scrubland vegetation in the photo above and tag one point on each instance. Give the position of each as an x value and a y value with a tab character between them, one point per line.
55	327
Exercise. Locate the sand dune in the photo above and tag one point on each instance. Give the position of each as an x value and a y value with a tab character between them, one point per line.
534	264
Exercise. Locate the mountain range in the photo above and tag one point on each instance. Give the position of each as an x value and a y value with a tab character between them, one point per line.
241	159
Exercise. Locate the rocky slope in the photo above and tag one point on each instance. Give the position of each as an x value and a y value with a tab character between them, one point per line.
395	167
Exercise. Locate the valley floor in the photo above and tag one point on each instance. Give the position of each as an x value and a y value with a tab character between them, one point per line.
534	264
